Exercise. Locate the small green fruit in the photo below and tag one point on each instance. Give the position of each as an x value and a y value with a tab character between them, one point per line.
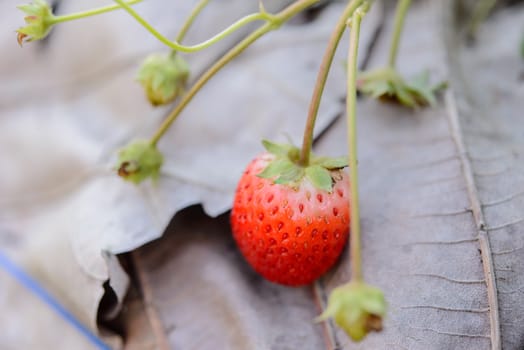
163	77
39	21
138	161
357	308
387	84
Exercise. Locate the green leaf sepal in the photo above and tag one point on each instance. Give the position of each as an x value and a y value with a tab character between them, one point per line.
285	168
387	84
138	161
39	21
163	77
357	308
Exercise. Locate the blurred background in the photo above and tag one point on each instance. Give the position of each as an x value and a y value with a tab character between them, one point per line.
77	266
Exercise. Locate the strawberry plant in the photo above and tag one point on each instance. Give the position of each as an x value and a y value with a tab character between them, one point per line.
293	210
387	83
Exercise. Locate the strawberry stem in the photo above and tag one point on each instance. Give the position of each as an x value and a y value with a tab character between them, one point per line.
400	14
321	81
480	13
189	21
351	103
175	45
89	13
278	19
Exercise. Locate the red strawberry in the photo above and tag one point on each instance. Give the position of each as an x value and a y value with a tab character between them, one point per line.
291	222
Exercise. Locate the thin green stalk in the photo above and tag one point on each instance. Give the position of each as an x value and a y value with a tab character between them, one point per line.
323	72
279	18
88	13
261	16
351	111
400	14
480	13
189	21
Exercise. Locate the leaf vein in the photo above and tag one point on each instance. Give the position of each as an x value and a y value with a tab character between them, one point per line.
445	308
504	225
503	200
454	334
449	279
450	213
460	241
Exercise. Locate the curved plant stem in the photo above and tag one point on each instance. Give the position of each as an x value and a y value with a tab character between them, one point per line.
88	13
261	16
351	110
189	21
400	14
321	81
480	13
279	18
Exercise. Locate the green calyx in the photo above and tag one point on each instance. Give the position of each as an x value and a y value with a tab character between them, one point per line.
388	84
357	308
138	161
39	21
163	77
286	169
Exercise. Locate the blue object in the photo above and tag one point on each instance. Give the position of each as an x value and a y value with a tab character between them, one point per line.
33	286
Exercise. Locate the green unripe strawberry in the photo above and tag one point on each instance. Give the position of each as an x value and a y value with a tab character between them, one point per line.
357	308
163	77
38	21
138	161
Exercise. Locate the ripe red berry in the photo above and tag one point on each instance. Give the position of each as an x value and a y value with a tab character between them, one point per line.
290	233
